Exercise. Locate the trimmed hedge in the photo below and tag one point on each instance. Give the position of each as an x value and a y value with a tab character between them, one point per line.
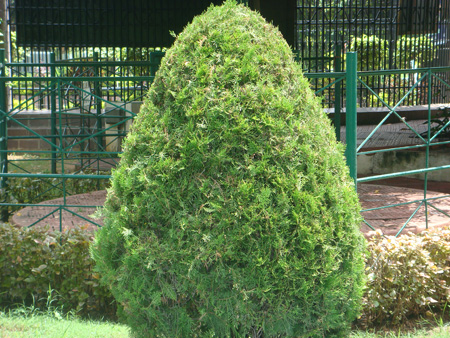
232	211
407	276
34	260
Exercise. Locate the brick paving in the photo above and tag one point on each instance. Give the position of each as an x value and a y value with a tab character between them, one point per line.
71	217
391	218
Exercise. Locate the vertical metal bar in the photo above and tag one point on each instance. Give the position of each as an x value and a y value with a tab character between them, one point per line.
316	44
62	154
98	106
3	133
153	66
53	112
427	153
337	91
351	111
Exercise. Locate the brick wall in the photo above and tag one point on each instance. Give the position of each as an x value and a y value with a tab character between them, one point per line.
27	124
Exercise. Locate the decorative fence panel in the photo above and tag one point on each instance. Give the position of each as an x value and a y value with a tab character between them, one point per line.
85	123
71	145
428	138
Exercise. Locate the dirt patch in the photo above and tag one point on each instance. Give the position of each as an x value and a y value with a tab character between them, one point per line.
77	211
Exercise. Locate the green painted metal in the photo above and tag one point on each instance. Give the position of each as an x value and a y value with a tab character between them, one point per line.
336	82
426	76
60	153
351	111
62	158
391	111
53	113
98	111
412	216
57	175
337	93
3	130
79	78
402	173
62	148
427	149
89	145
435	208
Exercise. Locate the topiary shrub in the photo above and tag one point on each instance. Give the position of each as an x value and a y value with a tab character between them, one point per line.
232	213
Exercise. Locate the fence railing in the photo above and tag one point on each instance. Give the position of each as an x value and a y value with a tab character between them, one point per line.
84	128
76	139
435	135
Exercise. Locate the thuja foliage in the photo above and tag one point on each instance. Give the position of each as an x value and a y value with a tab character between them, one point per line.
232	212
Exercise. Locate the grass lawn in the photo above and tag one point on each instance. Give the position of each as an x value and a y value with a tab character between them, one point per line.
53	326
45	326
438	332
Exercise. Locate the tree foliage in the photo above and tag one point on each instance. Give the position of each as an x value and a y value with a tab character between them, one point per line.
232	212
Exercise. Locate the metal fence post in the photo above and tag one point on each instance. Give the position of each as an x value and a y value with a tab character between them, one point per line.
351	111
3	134
427	149
98	107
53	111
337	92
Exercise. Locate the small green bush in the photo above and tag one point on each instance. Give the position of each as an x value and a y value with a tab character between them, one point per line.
231	212
34	260
407	276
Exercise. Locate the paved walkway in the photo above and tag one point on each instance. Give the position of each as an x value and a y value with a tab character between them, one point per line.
57	218
391	219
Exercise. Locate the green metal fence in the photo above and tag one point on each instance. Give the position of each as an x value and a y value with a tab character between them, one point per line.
427	141
80	141
86	127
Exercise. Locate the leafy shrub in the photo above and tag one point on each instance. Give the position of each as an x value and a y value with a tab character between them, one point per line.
421	49
34	260
232	212
373	51
408	276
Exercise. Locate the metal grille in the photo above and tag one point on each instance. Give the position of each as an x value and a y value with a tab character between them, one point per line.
387	34
76	30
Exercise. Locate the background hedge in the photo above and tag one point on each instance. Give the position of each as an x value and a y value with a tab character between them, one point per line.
32	261
407	276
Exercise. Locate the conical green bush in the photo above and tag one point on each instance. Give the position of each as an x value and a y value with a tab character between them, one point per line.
231	213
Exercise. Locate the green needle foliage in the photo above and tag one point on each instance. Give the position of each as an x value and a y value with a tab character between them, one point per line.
232	213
